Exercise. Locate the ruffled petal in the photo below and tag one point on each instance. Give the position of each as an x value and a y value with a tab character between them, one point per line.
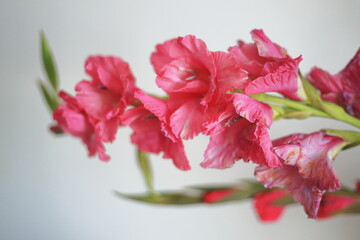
181	47
98	103
229	75
281	77
252	110
288	177
148	136
265	46
316	160
112	73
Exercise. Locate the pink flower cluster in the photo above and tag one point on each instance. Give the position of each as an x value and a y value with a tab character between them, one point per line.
209	93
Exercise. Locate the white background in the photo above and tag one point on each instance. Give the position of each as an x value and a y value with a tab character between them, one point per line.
49	189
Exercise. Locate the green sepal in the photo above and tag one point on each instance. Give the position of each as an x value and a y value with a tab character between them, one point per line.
286	200
49	63
280	112
50	98
351	138
332	109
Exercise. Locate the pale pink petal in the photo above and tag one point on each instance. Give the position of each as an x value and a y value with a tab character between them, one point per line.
265	46
288	177
289	153
316	160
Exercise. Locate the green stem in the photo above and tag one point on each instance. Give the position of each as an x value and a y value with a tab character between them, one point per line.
145	167
290	103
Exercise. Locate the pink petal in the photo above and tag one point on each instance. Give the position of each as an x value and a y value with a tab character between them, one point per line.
107	130
288	177
187	121
324	81
229	74
160	109
316	162
281	77
252	109
183	75
181	47
111	72
265	46
98	103
248	58
149	137
176	152
233	138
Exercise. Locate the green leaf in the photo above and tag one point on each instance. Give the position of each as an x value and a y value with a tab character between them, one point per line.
50	98
49	63
145	167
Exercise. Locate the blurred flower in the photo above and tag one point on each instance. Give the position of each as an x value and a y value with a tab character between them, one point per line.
331	203
269	67
214	196
74	120
308	169
264	204
342	88
106	96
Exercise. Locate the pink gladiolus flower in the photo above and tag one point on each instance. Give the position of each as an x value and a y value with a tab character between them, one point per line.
269	67
106	96
241	131
74	120
197	81
331	203
342	88
264	204
149	137
217	195
308	169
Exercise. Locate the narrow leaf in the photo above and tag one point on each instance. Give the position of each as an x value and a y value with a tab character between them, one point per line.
164	198
49	63
50	98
